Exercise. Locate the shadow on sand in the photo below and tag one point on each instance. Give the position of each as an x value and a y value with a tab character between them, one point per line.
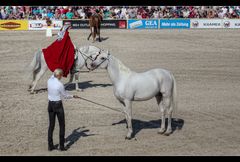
138	125
76	135
102	38
84	85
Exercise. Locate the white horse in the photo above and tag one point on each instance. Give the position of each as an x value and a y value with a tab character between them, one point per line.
131	86
38	66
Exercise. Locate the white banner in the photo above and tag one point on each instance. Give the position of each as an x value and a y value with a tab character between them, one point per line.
231	23
42	25
206	23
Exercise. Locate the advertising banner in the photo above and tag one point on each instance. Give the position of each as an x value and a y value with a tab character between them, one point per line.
143	24
206	23
77	24
106	24
42	25
231	23
114	24
13	25
174	23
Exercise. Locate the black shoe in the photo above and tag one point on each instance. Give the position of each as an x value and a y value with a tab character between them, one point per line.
50	148
63	149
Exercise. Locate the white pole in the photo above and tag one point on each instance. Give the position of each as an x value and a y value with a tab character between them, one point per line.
49	31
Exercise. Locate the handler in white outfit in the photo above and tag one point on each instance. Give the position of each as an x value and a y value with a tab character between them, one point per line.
56	93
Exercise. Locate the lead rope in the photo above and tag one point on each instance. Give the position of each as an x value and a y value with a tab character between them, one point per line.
100	104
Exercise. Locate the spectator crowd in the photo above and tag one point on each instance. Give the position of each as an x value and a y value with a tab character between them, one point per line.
117	12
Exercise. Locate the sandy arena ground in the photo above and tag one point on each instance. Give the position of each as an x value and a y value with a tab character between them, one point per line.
206	64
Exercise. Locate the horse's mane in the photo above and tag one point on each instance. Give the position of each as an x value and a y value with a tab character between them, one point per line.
122	68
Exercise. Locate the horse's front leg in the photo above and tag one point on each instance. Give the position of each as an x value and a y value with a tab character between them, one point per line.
89	35
76	82
127	109
70	80
99	37
94	34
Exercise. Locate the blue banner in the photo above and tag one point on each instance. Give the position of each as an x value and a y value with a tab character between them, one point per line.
143	24
174	23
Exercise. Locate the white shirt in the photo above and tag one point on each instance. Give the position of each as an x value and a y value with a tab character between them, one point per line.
224	10
116	10
56	90
155	14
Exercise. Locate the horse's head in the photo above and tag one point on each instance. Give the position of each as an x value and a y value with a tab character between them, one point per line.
100	59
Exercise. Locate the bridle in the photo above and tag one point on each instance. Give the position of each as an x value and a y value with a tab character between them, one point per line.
85	57
100	62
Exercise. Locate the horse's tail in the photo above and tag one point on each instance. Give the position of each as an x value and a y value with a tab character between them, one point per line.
35	65
174	97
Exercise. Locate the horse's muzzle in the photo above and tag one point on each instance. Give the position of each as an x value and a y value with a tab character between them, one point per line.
92	65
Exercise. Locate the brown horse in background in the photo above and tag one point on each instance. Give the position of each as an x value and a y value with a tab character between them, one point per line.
95	24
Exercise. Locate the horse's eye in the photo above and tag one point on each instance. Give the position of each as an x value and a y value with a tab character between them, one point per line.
102	58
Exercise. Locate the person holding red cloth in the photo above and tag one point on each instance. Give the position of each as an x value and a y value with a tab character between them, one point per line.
60	54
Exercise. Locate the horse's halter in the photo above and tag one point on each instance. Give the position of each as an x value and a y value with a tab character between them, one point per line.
85	59
100	62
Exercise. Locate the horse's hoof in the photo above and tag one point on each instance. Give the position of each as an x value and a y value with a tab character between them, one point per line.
161	131
31	92
127	138
79	90
167	133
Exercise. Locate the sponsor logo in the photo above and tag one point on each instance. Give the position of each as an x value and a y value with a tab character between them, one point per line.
150	23
211	24
10	25
226	24
136	24
67	23
108	24
57	25
81	24
84	25
237	24
36	25
122	24
195	24
174	24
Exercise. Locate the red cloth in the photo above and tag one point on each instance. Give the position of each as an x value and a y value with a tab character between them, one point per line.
60	54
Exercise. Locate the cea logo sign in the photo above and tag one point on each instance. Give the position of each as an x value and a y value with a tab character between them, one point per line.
151	23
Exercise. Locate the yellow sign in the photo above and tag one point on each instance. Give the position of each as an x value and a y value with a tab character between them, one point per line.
13	25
